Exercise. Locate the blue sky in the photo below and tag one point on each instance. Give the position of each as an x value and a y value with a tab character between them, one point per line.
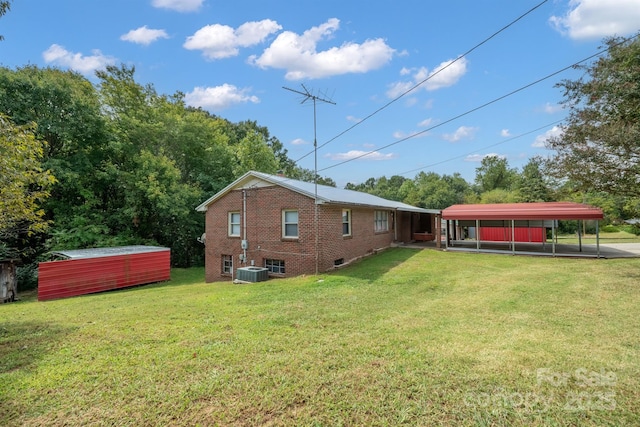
234	58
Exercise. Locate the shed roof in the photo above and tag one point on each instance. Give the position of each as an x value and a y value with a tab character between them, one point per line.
104	252
326	194
540	210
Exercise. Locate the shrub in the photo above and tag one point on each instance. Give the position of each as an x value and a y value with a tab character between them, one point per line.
27	276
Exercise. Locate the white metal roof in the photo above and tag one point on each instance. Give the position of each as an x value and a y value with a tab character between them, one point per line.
103	252
326	194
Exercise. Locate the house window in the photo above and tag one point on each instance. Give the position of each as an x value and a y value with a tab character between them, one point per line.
381	221
227	264
234	224
346	222
290	224
274	265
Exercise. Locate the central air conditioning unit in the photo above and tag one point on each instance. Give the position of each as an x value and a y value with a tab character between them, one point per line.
252	274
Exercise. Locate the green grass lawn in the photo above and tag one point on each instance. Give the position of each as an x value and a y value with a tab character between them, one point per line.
404	337
616	237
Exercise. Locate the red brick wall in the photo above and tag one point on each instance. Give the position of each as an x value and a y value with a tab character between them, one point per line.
264	232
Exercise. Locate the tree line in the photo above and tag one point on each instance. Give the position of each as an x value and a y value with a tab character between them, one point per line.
115	163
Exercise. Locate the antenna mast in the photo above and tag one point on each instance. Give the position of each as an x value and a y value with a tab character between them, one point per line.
307	96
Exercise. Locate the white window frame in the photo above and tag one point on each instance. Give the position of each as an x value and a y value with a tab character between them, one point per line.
347	222
234	224
227	264
286	223
275	266
380	221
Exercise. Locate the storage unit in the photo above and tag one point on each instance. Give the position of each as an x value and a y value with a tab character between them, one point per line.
87	271
520	234
252	274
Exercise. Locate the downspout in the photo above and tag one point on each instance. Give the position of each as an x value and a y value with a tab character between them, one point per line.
244	225
395	225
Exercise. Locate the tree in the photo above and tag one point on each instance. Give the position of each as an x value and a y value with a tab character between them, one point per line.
24	185
430	190
531	185
599	148
5	6
493	173
307	175
252	153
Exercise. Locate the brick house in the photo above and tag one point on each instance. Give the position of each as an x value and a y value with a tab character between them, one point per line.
270	221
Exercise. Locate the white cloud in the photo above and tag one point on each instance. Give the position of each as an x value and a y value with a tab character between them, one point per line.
541	140
178	5
298	55
353	119
144	35
505	133
299	141
446	74
463	132
361	155
479	157
595	19
58	55
221	41
414	134
550	108
219	97
426	123
400	134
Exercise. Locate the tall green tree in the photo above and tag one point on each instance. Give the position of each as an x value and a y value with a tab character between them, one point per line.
531	184
433	191
66	111
24	184
599	148
493	173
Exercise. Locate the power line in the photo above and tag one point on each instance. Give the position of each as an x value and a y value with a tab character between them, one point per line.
426	79
483	148
486	104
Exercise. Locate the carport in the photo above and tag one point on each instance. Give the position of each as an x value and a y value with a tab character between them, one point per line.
512	216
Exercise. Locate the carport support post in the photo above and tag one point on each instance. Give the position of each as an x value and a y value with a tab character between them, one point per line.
580	236
446	234
478	235
513	237
597	239
553	237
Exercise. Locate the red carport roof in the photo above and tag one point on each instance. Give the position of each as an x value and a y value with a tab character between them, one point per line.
541	210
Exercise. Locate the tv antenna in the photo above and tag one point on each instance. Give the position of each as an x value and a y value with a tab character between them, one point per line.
308	95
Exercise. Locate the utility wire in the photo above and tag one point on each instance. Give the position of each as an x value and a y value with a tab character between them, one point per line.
427	78
486	104
484	148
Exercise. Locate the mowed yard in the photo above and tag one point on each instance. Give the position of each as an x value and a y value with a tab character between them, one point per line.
404	337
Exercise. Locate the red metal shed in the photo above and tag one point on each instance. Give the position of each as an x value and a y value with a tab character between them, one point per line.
85	271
